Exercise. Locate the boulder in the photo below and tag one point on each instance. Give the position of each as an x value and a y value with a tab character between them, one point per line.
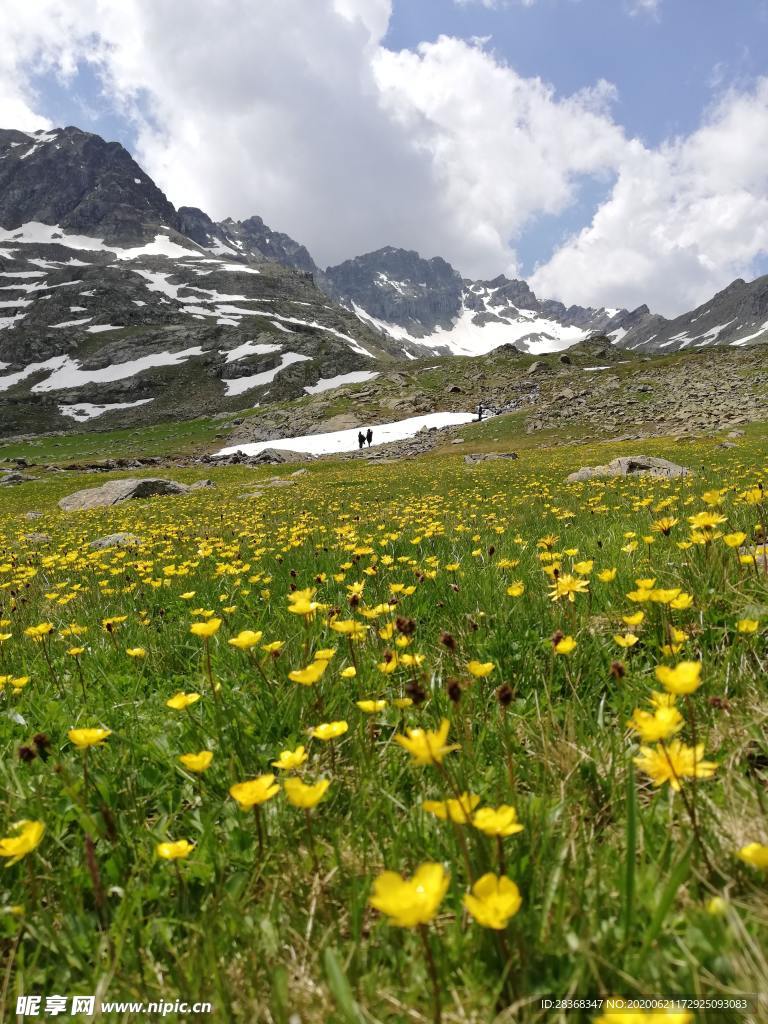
12	479
116	491
37	538
627	465
115	540
488	457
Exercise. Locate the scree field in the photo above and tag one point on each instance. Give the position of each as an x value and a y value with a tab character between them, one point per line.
392	743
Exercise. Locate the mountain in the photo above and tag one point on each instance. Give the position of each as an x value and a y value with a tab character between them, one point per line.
738	316
81	183
118	309
428	302
110	313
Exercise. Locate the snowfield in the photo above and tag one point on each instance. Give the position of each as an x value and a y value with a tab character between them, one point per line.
346	440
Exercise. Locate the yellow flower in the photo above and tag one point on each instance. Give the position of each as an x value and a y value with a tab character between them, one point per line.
75	651
349	672
427	746
479	669
634	619
254	792
300	603
324	654
350	627
583	568
607	575
403	702
658	725
274	646
177	850
674	762
493	901
682	602
28	835
747	625
685	677
371	707
246	639
310	675
516	589
627	640
181	700
501	821
197	762
290	760
755	855
458	810
664	525
303	795
734	540
410	903
568	586
566	645
706	520
136	652
188	596
38	632
328	730
205	629
83	738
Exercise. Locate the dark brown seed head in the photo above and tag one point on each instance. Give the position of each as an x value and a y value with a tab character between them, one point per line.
504	695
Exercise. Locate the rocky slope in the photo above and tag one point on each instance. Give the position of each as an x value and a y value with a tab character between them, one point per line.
593	389
110	314
737	316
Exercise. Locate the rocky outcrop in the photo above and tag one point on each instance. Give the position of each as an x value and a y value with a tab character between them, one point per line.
115	540
80	182
116	491
398	286
629	465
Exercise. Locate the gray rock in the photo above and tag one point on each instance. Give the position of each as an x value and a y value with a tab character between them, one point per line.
116	491
37	538
13	479
115	540
488	457
31	516
627	465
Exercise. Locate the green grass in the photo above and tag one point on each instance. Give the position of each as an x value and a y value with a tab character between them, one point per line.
616	886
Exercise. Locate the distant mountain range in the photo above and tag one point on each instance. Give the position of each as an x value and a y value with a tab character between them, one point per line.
117	308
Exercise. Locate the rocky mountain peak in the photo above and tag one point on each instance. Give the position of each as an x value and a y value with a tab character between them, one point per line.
81	183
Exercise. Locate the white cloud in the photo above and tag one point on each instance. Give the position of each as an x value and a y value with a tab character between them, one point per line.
296	111
502	148
681	221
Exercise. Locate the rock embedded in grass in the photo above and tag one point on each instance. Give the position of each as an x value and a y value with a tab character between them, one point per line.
116	491
628	465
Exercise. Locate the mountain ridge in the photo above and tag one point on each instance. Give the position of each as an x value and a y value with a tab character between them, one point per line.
115	306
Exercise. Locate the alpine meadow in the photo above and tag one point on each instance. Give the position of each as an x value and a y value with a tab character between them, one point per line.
384	615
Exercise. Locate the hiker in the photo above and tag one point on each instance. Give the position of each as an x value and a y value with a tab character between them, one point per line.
360	439
369	436
479	411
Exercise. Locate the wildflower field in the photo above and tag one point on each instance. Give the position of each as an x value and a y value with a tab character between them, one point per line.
394	743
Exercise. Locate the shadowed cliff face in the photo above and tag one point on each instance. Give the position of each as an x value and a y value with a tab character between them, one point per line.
80	182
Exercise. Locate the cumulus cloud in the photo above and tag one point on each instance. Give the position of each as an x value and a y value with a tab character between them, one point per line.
297	111
680	222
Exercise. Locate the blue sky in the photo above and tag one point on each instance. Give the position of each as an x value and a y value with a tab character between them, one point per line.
475	130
